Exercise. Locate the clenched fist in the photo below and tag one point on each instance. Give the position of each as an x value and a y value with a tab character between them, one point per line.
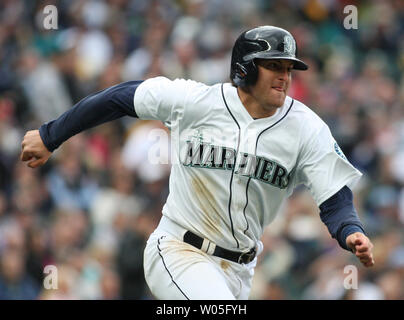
361	247
33	149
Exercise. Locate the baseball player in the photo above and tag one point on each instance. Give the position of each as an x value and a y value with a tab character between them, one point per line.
240	149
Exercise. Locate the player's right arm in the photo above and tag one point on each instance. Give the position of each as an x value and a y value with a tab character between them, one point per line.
106	105
153	99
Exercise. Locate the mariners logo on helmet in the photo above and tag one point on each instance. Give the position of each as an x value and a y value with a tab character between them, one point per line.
289	45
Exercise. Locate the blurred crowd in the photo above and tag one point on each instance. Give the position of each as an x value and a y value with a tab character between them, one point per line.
91	208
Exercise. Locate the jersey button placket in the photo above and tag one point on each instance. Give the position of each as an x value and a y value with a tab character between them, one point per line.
239	186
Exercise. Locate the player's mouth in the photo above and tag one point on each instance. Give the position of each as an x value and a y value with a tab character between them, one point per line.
280	89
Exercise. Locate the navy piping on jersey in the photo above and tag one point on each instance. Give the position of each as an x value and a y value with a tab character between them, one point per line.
234	165
162	259
256	145
245	207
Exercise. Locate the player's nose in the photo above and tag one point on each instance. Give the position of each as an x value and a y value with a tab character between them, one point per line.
283	75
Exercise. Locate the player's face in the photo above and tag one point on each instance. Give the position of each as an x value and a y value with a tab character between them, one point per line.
274	78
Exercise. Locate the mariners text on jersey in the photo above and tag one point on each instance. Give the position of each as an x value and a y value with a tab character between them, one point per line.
206	155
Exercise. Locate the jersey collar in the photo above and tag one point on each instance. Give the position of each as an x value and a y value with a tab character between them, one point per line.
233	102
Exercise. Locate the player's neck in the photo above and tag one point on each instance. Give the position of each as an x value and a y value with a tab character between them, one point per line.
253	106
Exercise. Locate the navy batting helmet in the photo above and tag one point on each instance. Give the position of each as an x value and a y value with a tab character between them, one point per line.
264	42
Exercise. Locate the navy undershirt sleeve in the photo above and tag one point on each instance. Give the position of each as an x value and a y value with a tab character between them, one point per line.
103	106
339	215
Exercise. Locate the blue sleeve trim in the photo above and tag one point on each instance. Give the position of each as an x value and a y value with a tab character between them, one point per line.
103	106
339	215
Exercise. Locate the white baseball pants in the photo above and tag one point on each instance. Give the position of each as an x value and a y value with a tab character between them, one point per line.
175	270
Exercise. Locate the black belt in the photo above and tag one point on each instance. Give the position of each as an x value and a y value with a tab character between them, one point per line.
239	257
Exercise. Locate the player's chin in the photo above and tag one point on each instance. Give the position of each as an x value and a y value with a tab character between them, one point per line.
278	99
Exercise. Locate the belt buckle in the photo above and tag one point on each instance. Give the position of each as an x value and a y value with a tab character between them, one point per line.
247	257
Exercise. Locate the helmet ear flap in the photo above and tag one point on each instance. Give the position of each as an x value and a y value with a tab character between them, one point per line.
253	73
246	74
241	70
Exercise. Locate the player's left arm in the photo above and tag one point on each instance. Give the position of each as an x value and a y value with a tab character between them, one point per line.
339	215
328	174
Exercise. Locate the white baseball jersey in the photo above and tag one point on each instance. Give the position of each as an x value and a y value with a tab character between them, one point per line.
231	173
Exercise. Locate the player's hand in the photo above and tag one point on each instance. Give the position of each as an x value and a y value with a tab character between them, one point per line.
33	150
361	247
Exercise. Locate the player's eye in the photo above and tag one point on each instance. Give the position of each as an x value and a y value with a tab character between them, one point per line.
276	66
272	66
